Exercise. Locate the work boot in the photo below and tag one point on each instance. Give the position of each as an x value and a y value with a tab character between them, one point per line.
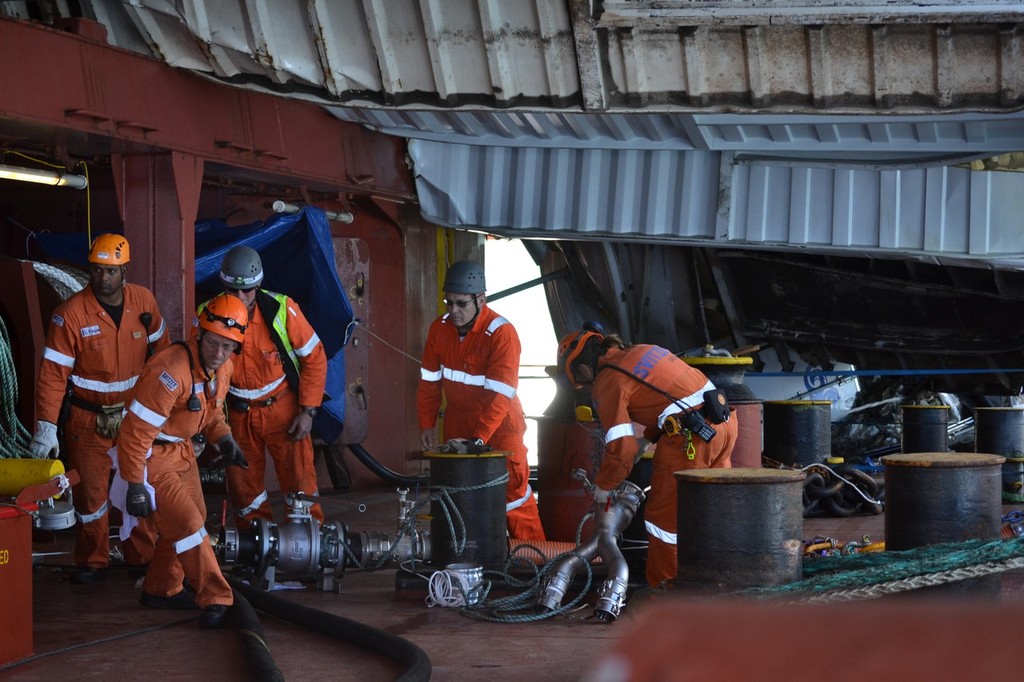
87	575
213	616
184	600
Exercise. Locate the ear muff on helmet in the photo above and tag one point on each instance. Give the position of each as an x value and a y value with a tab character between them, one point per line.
241	268
225	315
571	347
465	277
109	249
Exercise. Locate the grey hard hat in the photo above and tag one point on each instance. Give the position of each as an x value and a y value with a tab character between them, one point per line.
464	277
241	268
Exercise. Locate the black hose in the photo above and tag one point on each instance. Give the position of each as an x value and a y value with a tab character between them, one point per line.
257	653
418	666
387	474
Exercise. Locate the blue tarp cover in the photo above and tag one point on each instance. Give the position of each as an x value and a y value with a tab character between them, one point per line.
298	260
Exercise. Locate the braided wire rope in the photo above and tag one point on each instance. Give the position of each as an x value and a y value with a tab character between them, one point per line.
915	582
14	437
869	576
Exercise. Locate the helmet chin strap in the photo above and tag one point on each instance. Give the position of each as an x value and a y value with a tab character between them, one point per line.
469	325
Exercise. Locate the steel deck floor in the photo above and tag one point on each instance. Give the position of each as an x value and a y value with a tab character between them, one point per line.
100	632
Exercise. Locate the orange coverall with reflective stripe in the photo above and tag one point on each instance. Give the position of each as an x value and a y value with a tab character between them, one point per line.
265	428
159	410
479	375
621	400
102	362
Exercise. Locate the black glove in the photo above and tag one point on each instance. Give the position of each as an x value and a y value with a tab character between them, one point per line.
136	501
230	454
464	446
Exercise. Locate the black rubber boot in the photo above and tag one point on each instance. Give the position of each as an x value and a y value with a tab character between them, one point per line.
213	616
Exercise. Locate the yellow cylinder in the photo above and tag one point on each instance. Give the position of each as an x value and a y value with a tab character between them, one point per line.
18	474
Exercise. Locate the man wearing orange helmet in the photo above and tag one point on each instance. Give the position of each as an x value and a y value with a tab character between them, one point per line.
96	345
649	385
276	389
472	354
179	403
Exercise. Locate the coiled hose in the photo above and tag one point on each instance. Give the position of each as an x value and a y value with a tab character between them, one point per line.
417	663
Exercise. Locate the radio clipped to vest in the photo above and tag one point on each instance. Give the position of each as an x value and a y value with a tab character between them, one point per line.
675	424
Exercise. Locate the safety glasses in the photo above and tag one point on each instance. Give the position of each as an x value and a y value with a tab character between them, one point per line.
236	290
449	303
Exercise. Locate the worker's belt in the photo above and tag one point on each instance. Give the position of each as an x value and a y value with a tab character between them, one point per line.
108	417
94	407
242	405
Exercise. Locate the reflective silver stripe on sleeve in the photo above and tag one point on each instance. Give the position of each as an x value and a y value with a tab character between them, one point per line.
95	516
498	387
661	534
686	402
521	501
61	359
169	439
619	431
158	333
255	504
493	326
460	377
309	347
185	544
255	393
147	415
104	386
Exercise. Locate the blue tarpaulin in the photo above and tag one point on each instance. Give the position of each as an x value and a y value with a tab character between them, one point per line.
298	260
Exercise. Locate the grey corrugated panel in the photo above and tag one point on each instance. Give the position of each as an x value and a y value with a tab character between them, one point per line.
648	194
862	137
675	196
952	212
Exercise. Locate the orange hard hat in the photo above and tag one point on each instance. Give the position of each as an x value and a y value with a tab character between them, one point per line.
571	347
110	249
225	315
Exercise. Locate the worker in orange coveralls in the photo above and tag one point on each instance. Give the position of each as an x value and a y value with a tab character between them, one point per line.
649	385
95	348
276	390
472	353
178	406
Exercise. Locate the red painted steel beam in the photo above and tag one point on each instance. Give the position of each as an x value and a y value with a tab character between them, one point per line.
158	198
64	88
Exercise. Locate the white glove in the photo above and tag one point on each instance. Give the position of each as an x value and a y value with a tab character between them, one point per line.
600	495
44	443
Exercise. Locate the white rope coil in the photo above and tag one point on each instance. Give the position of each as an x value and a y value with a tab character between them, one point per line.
65	281
452	589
